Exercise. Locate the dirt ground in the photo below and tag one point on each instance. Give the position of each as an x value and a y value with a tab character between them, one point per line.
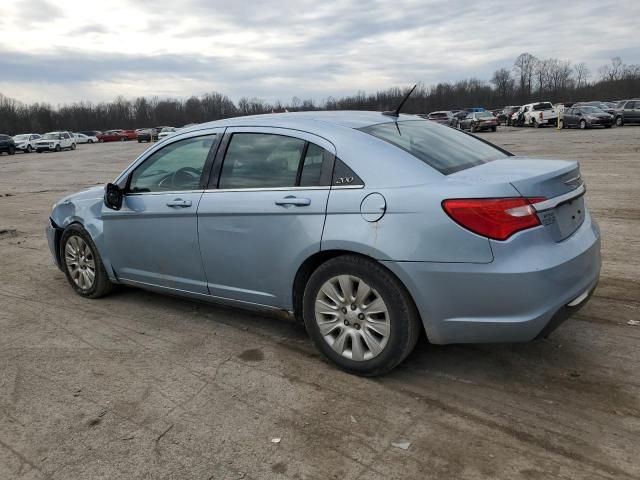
138	385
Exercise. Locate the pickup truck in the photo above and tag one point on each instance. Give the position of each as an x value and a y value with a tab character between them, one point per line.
535	115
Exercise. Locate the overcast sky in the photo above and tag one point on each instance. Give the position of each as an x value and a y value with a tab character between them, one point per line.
70	50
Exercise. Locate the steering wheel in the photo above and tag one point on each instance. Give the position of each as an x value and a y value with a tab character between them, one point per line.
185	176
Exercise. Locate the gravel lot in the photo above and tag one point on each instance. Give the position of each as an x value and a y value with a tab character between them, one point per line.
138	385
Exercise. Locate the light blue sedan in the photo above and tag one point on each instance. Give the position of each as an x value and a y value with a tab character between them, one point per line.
367	227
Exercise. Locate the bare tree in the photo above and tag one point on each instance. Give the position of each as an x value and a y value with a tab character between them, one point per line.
503	83
582	74
524	67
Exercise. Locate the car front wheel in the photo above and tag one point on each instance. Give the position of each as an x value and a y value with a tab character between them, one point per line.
359	315
619	122
82	264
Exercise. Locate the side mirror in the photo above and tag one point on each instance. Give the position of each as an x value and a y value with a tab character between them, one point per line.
113	196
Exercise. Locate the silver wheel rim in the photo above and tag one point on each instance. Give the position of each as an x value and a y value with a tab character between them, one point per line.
80	262
352	317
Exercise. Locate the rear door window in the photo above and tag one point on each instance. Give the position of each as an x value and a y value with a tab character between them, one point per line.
445	149
265	160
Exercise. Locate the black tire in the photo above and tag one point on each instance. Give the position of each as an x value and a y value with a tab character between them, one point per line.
29	149
89	141
58	148
101	140
403	316
38	150
493	129
583	125
619	122
473	128
534	123
73	146
607	126
12	150
123	139
101	284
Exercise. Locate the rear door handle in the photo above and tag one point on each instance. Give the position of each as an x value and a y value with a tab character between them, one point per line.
290	200
178	202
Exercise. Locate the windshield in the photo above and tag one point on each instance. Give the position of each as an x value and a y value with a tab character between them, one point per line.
167	129
51	136
445	149
21	137
590	110
484	114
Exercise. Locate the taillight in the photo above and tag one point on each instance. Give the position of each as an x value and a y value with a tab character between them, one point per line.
541	116
496	218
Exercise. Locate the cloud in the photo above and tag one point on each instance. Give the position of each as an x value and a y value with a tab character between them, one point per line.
39	11
278	49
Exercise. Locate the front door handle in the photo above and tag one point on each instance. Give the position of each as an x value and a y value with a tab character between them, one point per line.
290	200
178	202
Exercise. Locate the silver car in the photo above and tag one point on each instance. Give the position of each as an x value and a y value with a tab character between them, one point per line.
367	227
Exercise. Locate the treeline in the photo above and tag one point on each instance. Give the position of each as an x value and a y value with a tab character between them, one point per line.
529	79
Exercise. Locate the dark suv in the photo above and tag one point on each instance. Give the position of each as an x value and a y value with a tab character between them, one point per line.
627	111
7	144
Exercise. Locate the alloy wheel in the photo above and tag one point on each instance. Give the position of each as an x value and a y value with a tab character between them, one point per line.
352	318
80	262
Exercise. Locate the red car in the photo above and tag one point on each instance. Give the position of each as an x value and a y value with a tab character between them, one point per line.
117	135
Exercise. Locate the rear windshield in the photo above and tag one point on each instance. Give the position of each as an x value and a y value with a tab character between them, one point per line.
445	149
543	106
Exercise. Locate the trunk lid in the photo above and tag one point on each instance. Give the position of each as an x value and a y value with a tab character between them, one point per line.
559	181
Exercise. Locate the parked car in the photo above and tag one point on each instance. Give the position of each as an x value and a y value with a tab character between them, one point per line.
91	133
507	112
586	117
535	115
82	138
415	225
7	144
605	107
56	141
479	121
26	142
627	111
444	117
166	131
111	136
459	115
145	135
129	134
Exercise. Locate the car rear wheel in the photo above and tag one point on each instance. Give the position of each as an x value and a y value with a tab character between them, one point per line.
583	124
12	150
473	128
359	315
73	146
29	149
89	141
82	264
122	139
619	122
493	129
58	148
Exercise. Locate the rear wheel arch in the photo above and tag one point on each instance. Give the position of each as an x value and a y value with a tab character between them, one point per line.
312	263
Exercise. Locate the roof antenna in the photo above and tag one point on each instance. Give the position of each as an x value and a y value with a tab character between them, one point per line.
396	112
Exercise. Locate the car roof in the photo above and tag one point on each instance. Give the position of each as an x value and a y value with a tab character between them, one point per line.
304	120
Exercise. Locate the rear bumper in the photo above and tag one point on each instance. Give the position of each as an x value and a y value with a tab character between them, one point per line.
516	298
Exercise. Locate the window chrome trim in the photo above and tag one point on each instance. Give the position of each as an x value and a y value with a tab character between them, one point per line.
554	202
267	189
171	192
